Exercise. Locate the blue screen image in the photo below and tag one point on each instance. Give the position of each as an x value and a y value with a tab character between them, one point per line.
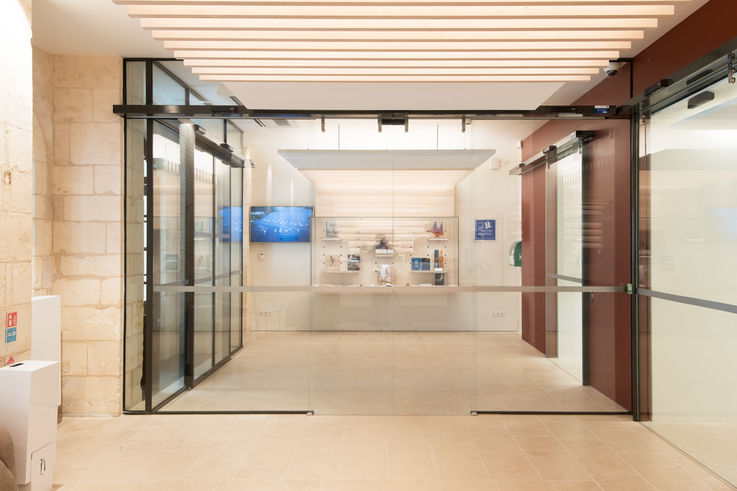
232	221
280	223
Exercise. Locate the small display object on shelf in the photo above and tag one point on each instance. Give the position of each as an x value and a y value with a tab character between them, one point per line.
420	264
354	262
386	274
385	251
332	262
437	231
331	228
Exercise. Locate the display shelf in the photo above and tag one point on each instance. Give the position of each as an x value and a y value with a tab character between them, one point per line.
341	240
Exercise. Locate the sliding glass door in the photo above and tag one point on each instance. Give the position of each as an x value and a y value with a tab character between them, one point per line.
167	255
688	265
565	240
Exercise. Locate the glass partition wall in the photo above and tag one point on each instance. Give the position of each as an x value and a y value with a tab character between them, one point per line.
688	235
384	273
184	247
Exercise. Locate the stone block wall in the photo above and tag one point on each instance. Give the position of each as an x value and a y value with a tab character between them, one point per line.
16	175
43	160
86	193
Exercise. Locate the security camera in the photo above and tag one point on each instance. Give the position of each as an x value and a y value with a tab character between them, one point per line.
612	68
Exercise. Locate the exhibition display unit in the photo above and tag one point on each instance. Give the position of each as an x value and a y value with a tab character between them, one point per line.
385	251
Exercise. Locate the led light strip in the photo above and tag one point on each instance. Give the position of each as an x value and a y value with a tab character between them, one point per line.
392	71
394	24
205	64
371	35
396	78
260	2
389	10
381	45
396	55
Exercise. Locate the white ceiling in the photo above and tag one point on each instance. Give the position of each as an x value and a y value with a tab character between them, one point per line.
386	159
100	27
91	27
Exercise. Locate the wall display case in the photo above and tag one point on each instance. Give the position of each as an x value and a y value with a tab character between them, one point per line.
379	251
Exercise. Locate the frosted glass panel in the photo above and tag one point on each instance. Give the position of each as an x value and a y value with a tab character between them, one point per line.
692	178
689	223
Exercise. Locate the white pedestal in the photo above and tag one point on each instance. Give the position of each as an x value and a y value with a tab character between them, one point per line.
28	409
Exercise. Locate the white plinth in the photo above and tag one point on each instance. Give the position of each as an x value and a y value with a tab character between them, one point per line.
28	409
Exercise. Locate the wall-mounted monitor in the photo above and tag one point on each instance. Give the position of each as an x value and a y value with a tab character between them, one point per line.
280	223
232	223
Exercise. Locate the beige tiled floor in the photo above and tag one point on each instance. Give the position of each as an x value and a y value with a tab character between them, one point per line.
714	443
391	373
347	453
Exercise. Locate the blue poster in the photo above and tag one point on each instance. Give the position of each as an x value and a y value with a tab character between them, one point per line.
11	334
485	229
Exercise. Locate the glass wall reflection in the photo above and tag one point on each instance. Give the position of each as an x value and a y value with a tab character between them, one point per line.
689	228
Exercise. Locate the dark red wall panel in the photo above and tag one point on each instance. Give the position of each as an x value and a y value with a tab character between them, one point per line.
609	248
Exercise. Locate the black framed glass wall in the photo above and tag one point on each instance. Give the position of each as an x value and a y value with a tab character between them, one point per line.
184	205
687	266
322	335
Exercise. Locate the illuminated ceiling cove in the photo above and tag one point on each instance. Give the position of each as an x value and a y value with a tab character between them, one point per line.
448	41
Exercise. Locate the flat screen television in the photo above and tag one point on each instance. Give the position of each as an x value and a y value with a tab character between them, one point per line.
232	223
280	223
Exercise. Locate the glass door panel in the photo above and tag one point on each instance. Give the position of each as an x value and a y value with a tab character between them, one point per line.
168	321
222	260
204	249
236	256
688	227
566	175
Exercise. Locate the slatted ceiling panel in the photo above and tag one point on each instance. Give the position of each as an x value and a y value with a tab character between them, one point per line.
398	40
397	24
395	78
393	71
392	35
396	55
215	66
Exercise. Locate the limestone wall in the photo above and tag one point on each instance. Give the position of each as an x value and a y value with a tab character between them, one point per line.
43	159
16	174
86	188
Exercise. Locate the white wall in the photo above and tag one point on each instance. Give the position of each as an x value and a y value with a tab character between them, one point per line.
485	193
274	182
491	193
